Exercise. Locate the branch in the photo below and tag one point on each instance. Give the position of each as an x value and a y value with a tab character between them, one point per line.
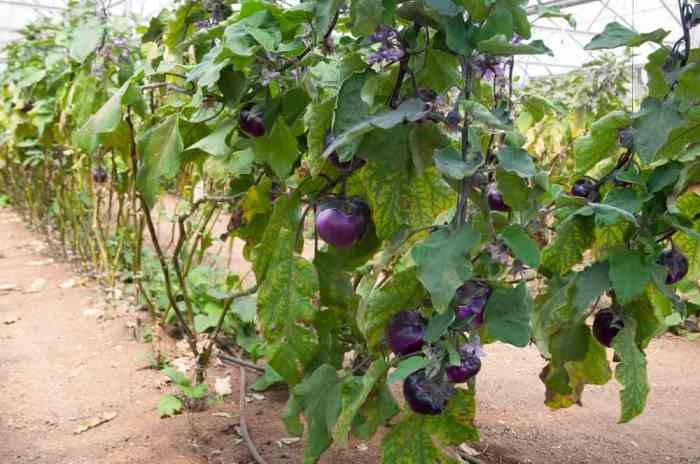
226	359
464	183
244	424
167	85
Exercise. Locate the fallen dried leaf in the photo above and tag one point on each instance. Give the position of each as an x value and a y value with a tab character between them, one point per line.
287	441
36	286
224	414
467	450
222	386
9	318
362	447
8	287
95	421
93	312
44	262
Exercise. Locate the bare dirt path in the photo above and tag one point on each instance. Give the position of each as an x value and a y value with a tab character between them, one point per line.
60	367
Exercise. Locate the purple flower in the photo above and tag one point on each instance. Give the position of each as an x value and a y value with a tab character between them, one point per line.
488	67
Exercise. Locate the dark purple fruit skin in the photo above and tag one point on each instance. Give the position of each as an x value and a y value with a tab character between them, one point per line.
495	200
469	367
251	123
405	332
472	298
426	396
342	222
585	188
605	326
99	175
675	263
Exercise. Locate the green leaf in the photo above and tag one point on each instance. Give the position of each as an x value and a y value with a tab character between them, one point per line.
406	368
402	290
106	119
524	248
572	239
457	35
318	120
409	111
616	35
319	398
602	143
590	284
442	7
577	359
324	12
515	189
354	399
516	160
438	325
285	216
278	149
398	198
653	125
86	38
285	306
169	405
379	408
414	440
501	45
482	114
507	315
443	262
367	15
629	274
449	162
631	372
268	379
215	143
161	149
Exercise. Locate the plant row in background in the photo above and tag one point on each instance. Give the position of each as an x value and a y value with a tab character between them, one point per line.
400	203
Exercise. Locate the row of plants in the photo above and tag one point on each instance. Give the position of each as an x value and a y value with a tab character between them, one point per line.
396	198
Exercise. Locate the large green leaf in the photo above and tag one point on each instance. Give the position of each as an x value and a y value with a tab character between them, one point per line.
653	125
86	38
285	216
577	360
319	397
524	248
409	111
616	35
572	239
401	291
443	262
367	15
631	372
516	160
285	306
602	143
507	315
416	439
500	45
318	120
107	118
629	274
354	398
215	143
161	149
398	198
278	149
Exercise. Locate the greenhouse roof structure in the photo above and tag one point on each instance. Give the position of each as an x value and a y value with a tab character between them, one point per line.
568	38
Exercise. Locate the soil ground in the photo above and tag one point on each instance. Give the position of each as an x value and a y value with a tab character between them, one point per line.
66	358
